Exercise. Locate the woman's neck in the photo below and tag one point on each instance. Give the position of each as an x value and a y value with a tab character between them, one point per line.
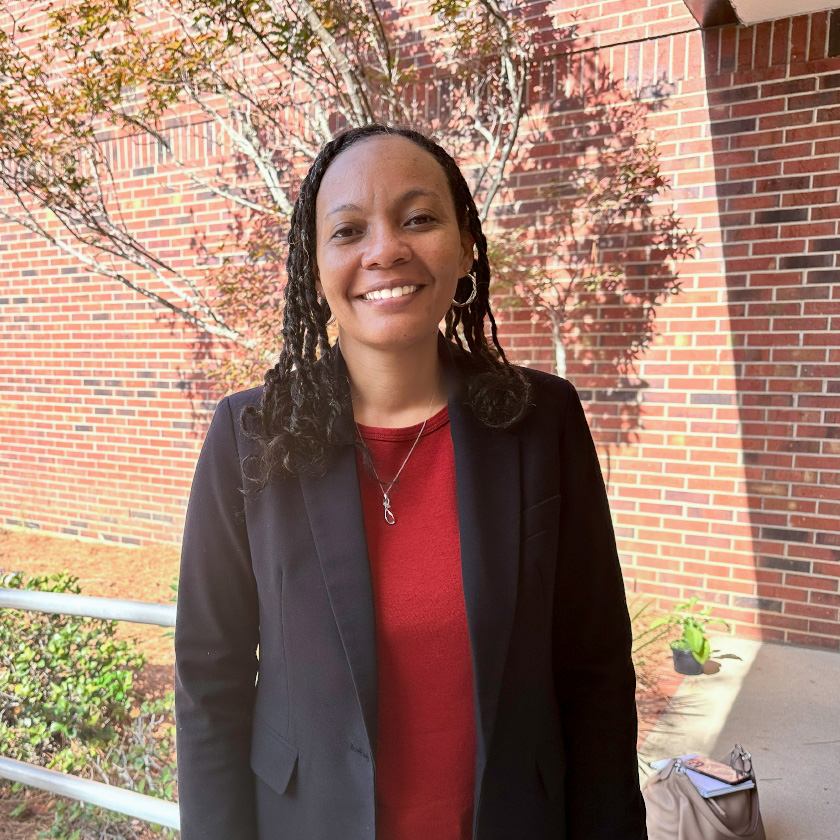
394	389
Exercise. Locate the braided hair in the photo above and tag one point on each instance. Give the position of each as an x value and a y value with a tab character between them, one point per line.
298	421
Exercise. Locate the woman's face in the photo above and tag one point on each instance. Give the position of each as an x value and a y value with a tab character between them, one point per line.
389	247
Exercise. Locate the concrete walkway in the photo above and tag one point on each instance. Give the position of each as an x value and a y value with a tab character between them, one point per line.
783	704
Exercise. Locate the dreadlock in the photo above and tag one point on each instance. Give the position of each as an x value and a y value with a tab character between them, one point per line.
297	422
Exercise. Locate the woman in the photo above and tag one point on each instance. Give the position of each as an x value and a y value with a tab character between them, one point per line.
423	553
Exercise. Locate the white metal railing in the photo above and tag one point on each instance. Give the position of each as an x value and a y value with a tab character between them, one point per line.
128	802
93	793
111	609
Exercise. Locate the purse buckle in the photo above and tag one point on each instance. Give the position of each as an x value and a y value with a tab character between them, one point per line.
739	753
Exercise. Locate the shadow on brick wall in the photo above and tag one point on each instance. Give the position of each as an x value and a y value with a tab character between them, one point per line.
609	249
774	108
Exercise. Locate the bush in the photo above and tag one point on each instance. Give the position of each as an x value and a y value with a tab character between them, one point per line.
67	703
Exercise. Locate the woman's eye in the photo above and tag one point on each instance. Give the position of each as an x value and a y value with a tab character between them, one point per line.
420	219
344	232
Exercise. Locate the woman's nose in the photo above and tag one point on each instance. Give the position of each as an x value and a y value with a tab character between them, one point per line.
385	246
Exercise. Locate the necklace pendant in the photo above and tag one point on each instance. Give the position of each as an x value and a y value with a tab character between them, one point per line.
389	517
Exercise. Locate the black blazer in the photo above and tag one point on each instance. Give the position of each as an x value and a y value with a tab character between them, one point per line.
293	757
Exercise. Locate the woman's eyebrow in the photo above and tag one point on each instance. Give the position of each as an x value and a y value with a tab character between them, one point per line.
408	195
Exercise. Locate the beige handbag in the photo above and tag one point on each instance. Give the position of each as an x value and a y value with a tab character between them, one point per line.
677	811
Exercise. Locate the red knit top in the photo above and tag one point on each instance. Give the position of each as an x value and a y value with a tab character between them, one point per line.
425	760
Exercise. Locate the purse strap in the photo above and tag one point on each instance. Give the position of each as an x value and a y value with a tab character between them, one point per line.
703	806
741	760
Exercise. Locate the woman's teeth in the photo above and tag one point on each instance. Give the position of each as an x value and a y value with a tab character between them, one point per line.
381	294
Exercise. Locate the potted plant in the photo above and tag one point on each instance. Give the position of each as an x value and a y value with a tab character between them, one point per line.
692	649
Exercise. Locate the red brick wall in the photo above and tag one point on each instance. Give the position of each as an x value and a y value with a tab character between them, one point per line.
722	451
730	487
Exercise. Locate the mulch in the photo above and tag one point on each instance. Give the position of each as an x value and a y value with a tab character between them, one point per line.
146	574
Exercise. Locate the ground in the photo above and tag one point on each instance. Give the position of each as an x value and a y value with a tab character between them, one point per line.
146	574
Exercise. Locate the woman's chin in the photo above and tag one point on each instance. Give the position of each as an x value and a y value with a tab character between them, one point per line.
389	337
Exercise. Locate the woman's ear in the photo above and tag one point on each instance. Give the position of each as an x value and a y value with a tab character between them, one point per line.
467	256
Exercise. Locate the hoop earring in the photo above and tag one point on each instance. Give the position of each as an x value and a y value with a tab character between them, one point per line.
326	307
473	293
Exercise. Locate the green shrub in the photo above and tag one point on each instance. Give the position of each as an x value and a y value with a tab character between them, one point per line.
142	760
67	703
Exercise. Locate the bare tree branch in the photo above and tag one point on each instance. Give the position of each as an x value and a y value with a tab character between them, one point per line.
361	106
202	324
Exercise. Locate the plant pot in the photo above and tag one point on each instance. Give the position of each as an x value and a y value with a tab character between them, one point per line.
685	663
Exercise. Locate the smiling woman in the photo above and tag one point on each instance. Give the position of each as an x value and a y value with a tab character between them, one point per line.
415	535
397	232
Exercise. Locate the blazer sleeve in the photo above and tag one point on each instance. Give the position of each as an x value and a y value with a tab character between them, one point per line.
593	669
216	637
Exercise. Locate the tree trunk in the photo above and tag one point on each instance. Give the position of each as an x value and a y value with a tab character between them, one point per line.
559	350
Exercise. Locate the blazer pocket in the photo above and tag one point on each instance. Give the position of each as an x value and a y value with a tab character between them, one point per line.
552	772
543	516
272	757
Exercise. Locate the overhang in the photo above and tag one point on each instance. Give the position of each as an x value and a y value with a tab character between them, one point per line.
719	12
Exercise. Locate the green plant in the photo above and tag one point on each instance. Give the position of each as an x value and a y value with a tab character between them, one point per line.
64	681
692	624
67	702
643	636
142	760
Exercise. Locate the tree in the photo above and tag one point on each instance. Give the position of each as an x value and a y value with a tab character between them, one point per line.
264	83
614	249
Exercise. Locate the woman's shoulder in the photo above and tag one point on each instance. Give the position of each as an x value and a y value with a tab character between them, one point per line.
239	400
229	409
547	387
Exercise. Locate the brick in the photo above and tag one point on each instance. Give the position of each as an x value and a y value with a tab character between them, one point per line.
763	40
810	582
741	126
786	534
824	276
827	244
777	216
818	36
811	611
804	84
773	185
784	563
764	604
781	39
809	640
833	47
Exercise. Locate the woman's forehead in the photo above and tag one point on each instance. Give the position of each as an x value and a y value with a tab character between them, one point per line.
380	169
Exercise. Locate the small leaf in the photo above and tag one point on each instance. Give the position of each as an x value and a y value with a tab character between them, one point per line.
704	653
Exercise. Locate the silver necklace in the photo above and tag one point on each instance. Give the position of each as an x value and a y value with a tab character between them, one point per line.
386	499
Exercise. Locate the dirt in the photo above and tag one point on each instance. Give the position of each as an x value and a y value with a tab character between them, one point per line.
146	574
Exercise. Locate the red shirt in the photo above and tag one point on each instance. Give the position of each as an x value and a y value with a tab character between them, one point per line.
425	760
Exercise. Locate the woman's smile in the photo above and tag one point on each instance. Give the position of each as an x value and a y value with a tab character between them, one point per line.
390	292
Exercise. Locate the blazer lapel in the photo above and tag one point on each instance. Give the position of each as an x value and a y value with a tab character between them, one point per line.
335	515
334	505
487	483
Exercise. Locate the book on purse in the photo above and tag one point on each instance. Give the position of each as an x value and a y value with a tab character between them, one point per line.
706	786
